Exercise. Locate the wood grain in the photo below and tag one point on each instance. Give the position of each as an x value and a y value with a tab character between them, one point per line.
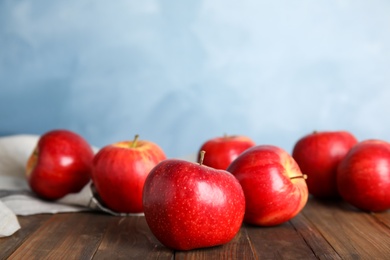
70	235
279	242
383	217
323	230
130	238
28	226
314	239
353	234
238	248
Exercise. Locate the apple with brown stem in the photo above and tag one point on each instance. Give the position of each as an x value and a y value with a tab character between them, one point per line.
274	186
190	205
119	172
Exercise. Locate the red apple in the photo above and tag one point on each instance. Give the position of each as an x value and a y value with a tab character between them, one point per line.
60	164
189	205
274	187
318	155
221	151
119	172
363	176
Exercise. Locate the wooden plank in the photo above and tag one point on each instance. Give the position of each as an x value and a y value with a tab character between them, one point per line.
238	248
278	242
323	230
28	226
318	244
67	235
131	238
383	217
352	233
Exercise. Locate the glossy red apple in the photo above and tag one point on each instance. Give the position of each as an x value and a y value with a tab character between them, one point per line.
318	155
221	151
60	164
274	187
119	172
363	176
188	205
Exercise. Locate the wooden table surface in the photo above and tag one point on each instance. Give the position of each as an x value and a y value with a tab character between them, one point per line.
323	230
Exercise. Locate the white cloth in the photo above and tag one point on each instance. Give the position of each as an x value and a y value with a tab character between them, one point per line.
16	197
8	221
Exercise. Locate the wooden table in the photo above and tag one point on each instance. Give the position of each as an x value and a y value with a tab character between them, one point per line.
323	230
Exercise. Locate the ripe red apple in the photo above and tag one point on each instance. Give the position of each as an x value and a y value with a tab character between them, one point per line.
119	172
318	154
363	176
189	205
221	151
274	187
60	164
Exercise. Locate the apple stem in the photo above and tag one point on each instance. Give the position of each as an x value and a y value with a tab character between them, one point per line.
303	176
134	143
201	157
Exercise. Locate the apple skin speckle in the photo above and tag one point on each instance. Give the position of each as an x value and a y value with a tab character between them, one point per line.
190	206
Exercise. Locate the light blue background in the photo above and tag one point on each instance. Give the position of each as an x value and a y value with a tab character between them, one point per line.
180	72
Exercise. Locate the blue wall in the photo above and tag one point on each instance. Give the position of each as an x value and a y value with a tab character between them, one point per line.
180	72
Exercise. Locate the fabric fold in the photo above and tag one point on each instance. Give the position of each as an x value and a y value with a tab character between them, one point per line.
16	197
